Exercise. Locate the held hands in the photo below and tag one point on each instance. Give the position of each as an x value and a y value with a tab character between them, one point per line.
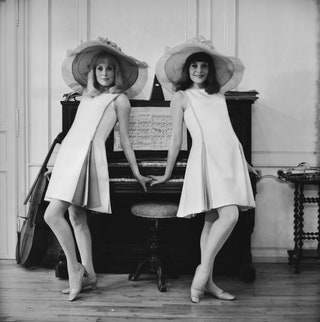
157	179
143	181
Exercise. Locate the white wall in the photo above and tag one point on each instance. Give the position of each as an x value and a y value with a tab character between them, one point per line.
277	43
276	40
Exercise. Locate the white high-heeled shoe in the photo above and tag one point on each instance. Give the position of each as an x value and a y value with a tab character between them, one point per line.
196	292
75	291
87	281
195	295
219	294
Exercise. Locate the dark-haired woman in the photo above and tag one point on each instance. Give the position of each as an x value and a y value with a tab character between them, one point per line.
217	179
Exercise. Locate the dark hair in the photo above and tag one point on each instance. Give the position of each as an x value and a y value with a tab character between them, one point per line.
211	85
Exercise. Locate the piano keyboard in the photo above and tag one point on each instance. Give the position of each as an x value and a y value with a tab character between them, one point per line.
125	185
147	164
135	180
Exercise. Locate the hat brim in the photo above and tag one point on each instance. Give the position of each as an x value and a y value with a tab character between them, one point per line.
229	70
76	66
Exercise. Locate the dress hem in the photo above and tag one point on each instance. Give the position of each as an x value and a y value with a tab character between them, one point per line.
93	210
192	215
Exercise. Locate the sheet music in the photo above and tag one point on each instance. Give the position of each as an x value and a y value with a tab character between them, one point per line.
149	129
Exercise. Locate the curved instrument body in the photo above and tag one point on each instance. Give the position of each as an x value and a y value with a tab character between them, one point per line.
33	237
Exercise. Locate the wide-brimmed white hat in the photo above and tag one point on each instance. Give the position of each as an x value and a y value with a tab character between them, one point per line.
76	66
229	70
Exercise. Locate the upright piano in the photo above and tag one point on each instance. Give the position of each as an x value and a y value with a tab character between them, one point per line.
119	238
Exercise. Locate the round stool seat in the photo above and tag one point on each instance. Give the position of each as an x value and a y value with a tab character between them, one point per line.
155	209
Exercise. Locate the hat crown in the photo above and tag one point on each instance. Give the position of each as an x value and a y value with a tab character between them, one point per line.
109	43
200	40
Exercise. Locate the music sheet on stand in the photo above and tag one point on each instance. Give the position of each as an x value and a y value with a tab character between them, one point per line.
150	128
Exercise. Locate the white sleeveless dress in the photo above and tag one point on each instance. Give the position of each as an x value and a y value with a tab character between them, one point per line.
216	173
80	174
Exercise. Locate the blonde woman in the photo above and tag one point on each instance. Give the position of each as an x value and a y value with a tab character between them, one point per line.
79	180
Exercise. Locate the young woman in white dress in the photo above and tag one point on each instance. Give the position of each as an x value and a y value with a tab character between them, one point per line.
80	181
217	179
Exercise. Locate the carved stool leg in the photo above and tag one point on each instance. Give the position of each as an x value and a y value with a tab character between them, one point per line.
153	263
161	283
156	242
139	270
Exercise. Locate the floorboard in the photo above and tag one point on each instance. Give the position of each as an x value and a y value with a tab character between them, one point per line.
277	295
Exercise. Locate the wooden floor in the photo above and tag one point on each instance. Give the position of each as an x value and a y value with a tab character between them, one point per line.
276	295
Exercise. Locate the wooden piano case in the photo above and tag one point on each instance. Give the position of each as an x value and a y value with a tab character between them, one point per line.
119	238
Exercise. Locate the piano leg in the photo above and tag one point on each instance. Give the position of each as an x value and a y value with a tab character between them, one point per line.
61	270
247	270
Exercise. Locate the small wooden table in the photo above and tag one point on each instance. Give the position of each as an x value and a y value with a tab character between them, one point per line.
300	181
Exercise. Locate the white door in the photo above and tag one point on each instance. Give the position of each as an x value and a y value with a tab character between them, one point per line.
10	191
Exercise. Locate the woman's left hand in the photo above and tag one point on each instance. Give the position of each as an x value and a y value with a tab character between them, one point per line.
256	172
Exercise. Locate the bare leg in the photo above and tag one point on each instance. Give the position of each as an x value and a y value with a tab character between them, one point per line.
209	219
215	233
54	216
78	219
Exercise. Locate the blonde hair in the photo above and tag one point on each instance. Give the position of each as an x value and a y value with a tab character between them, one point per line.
93	88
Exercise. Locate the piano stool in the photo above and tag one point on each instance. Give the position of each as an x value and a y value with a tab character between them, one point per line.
156	248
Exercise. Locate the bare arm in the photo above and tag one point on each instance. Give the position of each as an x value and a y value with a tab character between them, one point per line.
123	112
177	110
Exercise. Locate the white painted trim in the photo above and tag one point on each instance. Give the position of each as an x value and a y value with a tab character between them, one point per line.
268	259
270	255
192	18
8	42
43	6
83	21
231	25
22	101
283	159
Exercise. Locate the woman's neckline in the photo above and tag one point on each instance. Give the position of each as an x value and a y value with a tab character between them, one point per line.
196	89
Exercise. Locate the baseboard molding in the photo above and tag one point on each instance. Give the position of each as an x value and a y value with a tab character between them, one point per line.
269	259
273	255
269	255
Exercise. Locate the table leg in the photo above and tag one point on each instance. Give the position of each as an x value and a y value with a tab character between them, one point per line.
293	253
318	221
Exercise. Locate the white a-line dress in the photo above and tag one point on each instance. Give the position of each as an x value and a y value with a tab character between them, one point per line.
80	174
216	173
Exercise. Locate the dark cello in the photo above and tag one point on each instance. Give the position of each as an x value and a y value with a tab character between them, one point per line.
33	237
